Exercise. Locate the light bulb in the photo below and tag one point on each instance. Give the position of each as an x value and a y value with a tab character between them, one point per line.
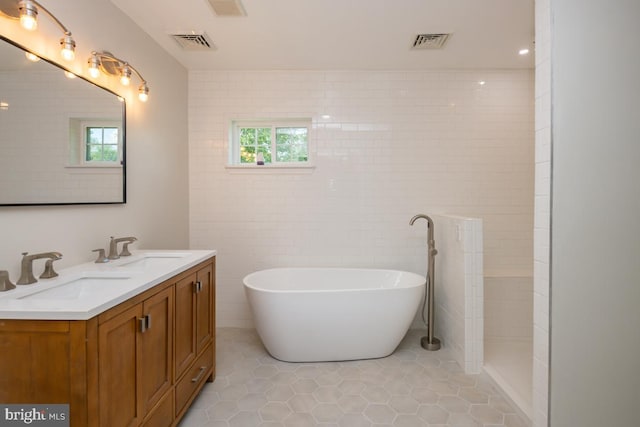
523	51
143	92
28	15
68	47
94	63
32	57
69	75
125	75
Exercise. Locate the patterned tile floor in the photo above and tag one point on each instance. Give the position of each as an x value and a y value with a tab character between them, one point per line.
410	388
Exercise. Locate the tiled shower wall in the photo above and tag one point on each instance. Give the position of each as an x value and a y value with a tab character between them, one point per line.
459	289
508	307
394	144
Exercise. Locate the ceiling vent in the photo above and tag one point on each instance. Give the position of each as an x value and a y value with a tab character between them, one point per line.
194	41
228	7
430	41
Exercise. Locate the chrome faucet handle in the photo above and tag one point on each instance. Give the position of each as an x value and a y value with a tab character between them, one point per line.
5	282
102	258
125	249
49	272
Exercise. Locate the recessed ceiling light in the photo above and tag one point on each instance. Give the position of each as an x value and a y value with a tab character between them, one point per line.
482	83
524	51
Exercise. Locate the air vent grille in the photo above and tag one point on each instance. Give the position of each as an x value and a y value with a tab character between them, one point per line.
430	41
194	41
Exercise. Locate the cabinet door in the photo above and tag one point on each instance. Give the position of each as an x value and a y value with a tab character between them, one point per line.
157	347
185	339
205	292
119	344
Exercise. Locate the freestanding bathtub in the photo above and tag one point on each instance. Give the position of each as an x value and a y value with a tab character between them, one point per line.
331	314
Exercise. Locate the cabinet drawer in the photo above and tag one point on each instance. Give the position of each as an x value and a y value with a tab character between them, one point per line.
193	379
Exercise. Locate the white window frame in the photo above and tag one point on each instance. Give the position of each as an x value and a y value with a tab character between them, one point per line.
84	124
234	143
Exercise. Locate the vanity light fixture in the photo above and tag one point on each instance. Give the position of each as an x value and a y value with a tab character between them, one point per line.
26	11
105	62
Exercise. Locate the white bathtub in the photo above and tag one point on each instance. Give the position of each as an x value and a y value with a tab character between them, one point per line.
330	314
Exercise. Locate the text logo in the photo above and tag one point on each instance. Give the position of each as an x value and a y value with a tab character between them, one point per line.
40	415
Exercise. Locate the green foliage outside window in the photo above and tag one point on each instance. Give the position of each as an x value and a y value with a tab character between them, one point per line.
291	144
253	141
102	144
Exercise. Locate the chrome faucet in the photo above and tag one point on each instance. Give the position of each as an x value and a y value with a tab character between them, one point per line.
430	342
113	247
26	271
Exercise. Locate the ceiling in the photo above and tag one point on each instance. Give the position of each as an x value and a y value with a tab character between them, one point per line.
343	34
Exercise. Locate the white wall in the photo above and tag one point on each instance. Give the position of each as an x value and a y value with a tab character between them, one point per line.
508	307
542	216
157	179
595	278
397	144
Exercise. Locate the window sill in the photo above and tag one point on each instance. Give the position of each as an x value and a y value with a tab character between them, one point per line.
284	168
103	166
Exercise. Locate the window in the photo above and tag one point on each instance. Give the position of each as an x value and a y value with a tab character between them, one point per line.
101	144
281	143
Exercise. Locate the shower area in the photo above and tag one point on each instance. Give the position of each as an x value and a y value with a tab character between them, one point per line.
508	336
484	320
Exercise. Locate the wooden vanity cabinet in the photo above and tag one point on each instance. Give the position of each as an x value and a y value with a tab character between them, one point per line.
119	368
194	317
195	322
135	347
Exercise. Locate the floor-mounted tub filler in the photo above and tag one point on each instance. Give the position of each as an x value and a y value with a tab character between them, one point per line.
332	314
430	342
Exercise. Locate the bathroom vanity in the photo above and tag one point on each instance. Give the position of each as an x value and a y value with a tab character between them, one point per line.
126	344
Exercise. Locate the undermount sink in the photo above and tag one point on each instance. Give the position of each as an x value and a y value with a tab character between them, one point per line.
79	287
153	260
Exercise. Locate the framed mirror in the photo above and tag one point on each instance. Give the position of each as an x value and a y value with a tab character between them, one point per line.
62	140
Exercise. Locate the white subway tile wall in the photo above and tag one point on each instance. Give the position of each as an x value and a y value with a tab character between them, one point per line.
542	214
459	291
388	145
508	305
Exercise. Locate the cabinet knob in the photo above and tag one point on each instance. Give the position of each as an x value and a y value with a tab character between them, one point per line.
198	286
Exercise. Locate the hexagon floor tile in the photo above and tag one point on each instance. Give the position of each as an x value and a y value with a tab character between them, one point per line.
410	388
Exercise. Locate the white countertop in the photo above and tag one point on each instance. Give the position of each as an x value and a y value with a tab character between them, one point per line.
86	290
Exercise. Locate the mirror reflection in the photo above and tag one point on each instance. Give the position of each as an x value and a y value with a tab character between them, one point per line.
62	140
